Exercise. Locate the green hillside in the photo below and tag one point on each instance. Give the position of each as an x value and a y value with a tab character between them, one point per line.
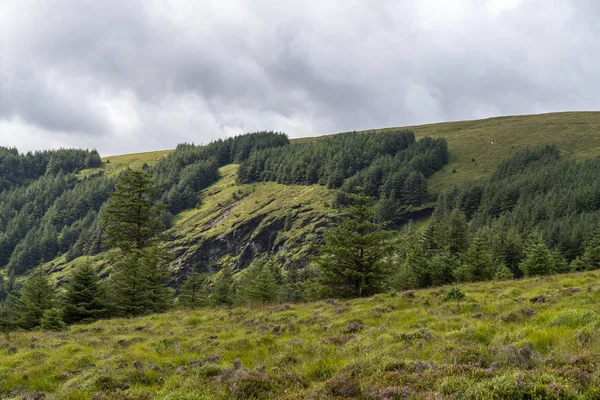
488	141
234	216
529	339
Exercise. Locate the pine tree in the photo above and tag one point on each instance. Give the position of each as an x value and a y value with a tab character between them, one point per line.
478	263
456	232
222	287
130	291
193	292
155	263
132	217
3	289
8	317
353	260
52	320
259	285
538	258
591	254
37	296
503	273
84	296
133	221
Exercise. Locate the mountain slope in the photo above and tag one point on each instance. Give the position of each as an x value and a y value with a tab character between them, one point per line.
238	221
534	338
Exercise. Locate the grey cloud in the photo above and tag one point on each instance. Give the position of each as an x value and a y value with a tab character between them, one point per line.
140	75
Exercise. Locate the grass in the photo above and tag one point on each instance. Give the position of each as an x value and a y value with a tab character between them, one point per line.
477	147
246	215
534	338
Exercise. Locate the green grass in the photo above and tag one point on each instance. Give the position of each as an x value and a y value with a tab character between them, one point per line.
500	342
489	141
256	208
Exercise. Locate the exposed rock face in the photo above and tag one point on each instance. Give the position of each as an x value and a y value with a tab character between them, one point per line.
248	240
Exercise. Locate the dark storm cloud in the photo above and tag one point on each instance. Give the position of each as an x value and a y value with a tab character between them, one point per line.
139	75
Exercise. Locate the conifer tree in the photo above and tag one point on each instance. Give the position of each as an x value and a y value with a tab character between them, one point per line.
353	260
259	285
37	296
538	258
3	289
133	221
133	218
155	262
8	317
222	287
130	292
478	263
456	232
193	292
84	296
591	254
52	320
503	273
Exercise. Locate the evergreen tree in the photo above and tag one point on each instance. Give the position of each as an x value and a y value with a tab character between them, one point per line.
132	216
52	320
259	285
155	262
84	296
591	255
193	292
538	258
37	296
353	260
456	232
503	273
129	286
3	289
8	317
133	221
222	287
478	263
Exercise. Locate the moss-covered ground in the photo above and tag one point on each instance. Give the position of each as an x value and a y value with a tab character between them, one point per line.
529	339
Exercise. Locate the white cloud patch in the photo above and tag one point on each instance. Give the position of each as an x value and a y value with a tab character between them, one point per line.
145	75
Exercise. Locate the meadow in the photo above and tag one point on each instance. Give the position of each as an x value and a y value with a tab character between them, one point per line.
527	339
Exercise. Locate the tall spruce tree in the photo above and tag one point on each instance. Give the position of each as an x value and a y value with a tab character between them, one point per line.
133	222
8	316
193	292
591	254
478	263
84	297
259	284
133	218
353	260
37	296
222	287
538	258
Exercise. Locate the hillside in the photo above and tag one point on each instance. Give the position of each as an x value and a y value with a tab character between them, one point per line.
240	220
487	141
535	338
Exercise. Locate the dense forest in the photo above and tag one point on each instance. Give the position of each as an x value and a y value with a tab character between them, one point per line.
47	210
390	166
536	214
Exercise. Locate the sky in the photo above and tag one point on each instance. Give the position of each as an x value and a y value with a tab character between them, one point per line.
125	76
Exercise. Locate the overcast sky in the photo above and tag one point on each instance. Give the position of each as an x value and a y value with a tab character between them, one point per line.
129	76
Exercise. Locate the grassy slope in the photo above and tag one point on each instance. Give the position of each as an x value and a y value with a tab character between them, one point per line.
503	339
577	134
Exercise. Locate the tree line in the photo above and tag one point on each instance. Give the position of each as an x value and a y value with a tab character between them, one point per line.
391	166
46	210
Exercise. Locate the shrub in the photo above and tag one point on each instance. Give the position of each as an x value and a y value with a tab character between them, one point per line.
52	320
453	294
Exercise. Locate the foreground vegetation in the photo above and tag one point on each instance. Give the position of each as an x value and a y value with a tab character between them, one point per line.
534	338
